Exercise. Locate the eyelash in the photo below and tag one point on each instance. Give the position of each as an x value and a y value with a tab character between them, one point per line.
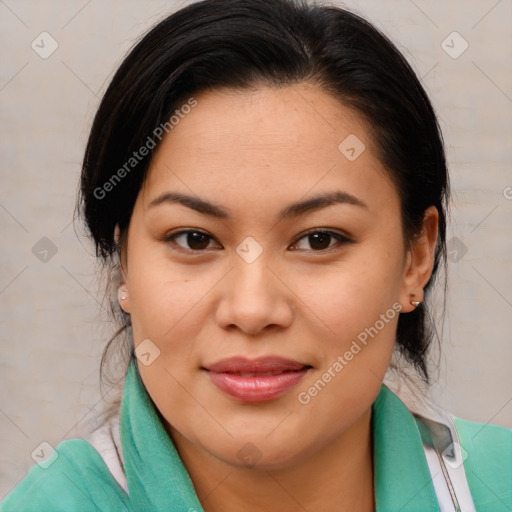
342	239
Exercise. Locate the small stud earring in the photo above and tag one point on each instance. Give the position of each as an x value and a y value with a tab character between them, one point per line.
415	303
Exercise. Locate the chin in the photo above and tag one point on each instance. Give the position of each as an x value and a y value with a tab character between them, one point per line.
260	454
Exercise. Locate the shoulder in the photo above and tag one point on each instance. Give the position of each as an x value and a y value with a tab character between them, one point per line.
74	478
486	450
487	454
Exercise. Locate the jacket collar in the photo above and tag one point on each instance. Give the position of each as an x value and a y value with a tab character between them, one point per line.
158	480
156	477
402	478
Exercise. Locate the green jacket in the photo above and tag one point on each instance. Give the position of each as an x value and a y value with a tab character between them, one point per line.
78	480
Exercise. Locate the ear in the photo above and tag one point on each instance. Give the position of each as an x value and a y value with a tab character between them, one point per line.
420	261
123	295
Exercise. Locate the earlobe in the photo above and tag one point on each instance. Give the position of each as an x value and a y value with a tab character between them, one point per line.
420	262
122	298
122	292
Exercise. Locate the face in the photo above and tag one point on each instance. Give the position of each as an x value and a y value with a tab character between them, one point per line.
271	313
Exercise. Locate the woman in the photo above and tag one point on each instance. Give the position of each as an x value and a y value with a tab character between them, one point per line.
269	179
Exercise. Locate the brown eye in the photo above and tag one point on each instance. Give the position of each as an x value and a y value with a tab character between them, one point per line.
190	240
321	240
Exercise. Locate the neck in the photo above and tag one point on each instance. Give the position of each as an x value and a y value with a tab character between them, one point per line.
338	478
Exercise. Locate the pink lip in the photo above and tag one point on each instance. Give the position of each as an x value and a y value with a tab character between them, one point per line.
256	380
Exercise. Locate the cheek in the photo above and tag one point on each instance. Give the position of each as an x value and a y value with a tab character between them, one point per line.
173	317
361	310
359	303
352	295
164	295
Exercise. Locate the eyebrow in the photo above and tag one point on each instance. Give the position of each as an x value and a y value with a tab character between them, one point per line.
292	210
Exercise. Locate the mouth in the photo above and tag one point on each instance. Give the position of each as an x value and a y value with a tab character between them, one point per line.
257	380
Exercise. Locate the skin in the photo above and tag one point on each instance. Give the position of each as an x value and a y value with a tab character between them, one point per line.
253	153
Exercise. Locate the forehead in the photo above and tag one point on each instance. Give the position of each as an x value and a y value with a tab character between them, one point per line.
296	118
256	143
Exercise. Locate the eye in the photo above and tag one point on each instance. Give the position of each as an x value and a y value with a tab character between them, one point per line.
192	240
320	240
195	240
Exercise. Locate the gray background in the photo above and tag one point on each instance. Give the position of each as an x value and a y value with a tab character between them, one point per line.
52	332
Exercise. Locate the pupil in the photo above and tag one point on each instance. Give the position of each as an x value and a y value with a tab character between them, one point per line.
320	237
194	240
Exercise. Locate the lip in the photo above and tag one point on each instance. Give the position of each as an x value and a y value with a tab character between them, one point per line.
256	380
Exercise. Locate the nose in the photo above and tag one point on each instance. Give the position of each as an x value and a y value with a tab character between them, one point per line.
254	298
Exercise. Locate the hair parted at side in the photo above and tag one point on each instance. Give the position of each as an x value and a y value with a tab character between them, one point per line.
244	44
